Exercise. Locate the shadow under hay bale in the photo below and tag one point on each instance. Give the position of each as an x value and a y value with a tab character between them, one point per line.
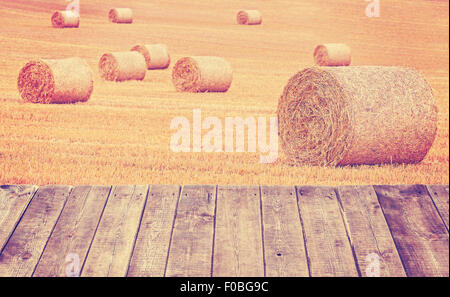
121	66
156	55
333	54
121	15
56	81
202	74
357	115
249	17
65	19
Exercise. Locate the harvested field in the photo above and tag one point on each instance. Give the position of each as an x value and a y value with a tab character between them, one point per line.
122	134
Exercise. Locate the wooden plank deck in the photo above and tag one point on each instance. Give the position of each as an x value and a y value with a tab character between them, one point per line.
209	230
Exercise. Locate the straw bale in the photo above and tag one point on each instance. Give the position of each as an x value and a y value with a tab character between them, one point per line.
249	17
65	19
121	15
156	55
56	81
357	115
332	54
202	74
121	66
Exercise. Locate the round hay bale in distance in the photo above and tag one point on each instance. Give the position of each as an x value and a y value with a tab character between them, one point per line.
332	54
121	15
56	81
249	17
202	74
121	66
156	55
65	19
336	116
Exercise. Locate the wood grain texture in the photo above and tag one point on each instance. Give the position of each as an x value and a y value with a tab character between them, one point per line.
25	246
440	196
72	236
327	244
238	247
13	202
369	232
192	240
418	231
115	237
251	231
152	244
284	246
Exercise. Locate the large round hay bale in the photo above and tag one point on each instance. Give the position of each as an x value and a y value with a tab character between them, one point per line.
56	81
202	74
65	19
333	54
249	17
121	66
156	55
357	115
121	15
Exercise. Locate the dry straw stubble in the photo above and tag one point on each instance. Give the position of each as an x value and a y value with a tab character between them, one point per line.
121	15
249	17
337	116
333	54
121	66
56	81
65	19
156	55
202	74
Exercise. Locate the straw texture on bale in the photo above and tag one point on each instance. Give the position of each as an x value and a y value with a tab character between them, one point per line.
332	54
56	81
202	74
121	66
121	15
65	19
156	55
336	116
249	17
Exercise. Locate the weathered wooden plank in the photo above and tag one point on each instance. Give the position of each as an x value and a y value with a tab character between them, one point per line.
69	243
327	244
25	246
192	240
238	247
418	231
115	237
284	246
152	244
13	202
369	233
440	196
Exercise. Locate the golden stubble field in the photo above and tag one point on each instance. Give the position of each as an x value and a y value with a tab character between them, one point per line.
122	135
